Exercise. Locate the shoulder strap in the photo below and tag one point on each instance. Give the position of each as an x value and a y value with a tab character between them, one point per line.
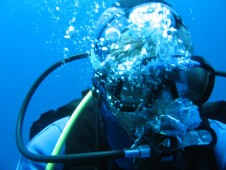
87	135
215	110
52	115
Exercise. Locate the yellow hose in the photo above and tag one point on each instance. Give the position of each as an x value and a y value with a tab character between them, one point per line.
68	127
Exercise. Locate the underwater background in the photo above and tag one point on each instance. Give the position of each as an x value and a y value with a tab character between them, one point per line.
35	34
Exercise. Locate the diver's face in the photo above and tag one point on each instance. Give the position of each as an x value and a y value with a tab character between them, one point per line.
135	82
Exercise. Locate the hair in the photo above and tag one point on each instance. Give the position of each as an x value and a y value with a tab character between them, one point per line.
138	42
136	45
135	39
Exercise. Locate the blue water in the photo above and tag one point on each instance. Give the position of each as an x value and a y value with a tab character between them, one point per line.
32	38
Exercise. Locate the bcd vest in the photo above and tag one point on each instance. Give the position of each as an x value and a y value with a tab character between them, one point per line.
88	135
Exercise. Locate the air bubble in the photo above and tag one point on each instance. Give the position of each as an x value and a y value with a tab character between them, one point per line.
127	47
104	48
112	34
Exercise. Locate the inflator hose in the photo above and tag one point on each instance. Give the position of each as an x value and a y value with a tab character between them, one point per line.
68	127
62	158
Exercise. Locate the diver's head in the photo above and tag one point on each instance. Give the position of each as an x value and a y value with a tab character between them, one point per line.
145	70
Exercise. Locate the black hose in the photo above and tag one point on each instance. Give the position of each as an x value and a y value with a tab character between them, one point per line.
57	159
62	158
220	73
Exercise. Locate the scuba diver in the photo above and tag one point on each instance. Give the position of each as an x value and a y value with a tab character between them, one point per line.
148	104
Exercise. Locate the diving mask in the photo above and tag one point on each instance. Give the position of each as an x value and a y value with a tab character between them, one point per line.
161	97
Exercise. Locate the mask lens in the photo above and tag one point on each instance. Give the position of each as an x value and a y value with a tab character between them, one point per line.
194	84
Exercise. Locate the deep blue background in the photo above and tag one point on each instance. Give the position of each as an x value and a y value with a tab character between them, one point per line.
32	38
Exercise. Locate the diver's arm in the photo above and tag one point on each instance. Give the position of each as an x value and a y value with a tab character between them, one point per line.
43	143
220	149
